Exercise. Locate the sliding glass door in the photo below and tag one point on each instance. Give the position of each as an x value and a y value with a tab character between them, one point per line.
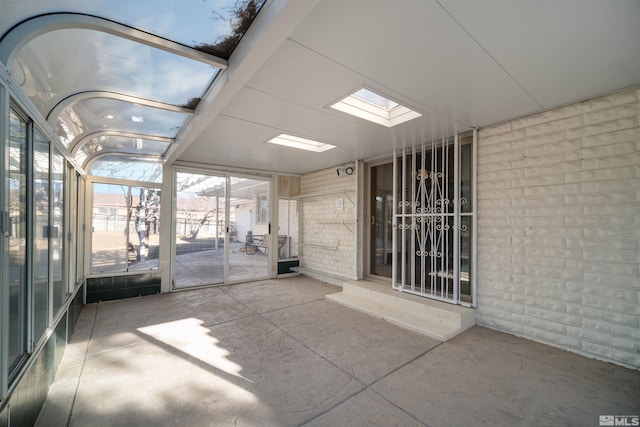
41	235
17	239
222	229
57	231
199	214
249	243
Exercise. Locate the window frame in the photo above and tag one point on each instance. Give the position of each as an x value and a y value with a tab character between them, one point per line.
89	218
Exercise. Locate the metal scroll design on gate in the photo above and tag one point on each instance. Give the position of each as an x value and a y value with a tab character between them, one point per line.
430	207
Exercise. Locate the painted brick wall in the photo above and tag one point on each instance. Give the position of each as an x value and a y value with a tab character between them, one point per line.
327	232
559	227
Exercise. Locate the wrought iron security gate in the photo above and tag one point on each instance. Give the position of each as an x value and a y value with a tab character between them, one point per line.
434	220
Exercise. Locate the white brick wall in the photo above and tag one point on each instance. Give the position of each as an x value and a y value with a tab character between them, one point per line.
327	233
559	227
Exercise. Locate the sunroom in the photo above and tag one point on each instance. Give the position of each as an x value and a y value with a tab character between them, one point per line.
472	163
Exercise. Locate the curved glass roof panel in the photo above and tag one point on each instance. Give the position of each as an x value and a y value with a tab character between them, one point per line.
119	144
63	62
127	167
215	27
120	77
101	114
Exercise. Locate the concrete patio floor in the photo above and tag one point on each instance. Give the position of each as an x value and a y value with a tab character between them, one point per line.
278	353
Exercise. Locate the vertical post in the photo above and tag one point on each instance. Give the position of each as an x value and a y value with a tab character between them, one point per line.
358	222
423	223
71	215
474	219
4	230
412	204
168	227
227	213
394	226
142	225
81	250
433	198
456	218
444	233
216	244
403	266
128	202
273	214
30	220
88	229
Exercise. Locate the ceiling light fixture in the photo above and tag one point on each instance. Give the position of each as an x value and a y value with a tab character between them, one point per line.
300	143
374	107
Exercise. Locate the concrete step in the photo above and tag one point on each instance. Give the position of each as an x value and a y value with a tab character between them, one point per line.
436	319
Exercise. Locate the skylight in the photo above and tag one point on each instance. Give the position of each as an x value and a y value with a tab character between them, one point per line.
375	99
300	143
376	108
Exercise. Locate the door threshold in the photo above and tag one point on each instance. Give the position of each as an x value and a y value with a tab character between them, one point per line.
379	279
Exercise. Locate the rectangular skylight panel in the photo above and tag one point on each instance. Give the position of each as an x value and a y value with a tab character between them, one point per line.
375	99
359	109
301	143
401	115
374	107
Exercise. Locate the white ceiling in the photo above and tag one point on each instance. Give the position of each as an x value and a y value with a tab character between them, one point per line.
462	64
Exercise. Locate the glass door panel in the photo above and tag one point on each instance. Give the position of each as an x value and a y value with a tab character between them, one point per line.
109	249
381	248
144	238
57	240
249	229
199	229
466	219
125	231
287	229
80	227
41	190
71	236
17	240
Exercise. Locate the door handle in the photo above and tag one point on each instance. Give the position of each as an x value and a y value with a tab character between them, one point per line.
373	220
4	223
